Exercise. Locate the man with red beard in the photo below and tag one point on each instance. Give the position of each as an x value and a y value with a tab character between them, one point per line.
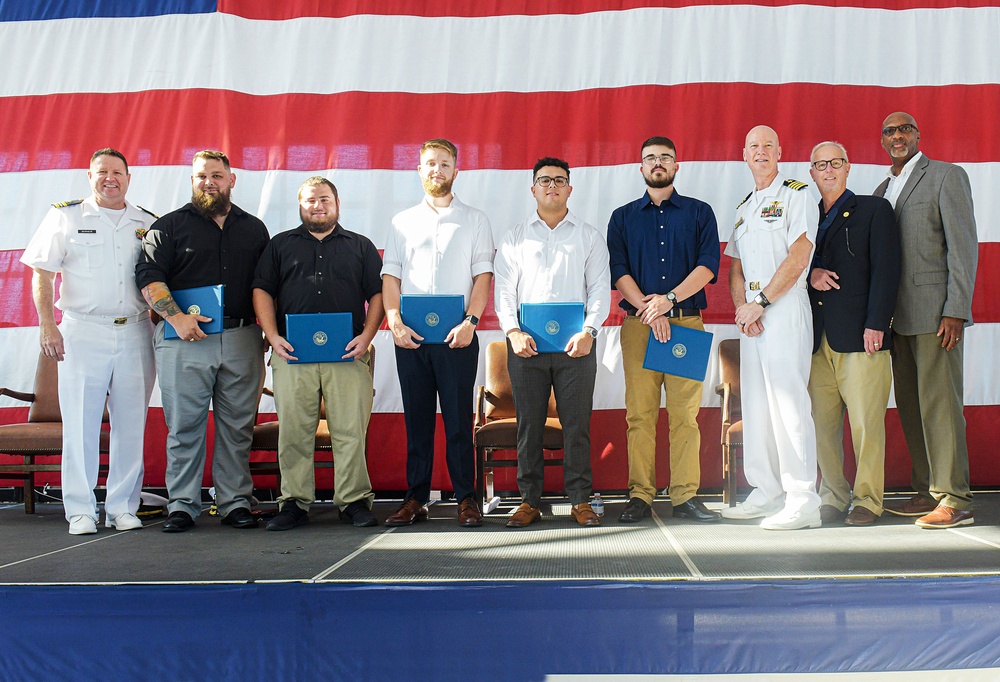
664	250
209	241
319	267
440	246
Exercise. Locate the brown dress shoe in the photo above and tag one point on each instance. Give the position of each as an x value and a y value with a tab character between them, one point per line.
468	514
584	515
408	512
918	505
861	516
946	517
523	516
830	514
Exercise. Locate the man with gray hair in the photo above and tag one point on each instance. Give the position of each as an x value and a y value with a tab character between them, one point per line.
853	283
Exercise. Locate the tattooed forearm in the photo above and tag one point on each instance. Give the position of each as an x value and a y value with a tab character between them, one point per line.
158	297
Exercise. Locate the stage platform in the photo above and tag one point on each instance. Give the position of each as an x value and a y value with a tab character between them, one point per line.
664	597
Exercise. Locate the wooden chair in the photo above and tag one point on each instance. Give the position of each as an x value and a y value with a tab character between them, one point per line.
496	424
265	437
41	435
732	417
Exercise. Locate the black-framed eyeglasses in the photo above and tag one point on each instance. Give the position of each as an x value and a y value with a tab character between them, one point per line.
652	159
546	181
906	128
833	163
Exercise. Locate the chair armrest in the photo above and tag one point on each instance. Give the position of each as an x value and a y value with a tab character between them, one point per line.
725	391
480	407
18	395
268	391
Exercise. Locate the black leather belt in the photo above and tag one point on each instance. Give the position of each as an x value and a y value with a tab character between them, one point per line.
683	312
234	322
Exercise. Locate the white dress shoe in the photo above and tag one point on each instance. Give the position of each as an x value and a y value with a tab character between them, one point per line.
82	525
123	522
795	520
745	511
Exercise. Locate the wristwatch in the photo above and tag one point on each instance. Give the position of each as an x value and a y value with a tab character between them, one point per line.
591	331
761	300
473	319
672	297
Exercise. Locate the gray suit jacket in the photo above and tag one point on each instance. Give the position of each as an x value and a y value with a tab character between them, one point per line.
940	248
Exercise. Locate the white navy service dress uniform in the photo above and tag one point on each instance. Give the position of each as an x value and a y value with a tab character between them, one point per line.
107	337
779	439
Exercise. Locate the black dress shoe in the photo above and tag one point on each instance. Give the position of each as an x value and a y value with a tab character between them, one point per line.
358	514
241	517
635	511
695	510
290	516
178	522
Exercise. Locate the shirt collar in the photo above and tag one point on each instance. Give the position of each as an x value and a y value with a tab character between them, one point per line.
907	169
569	219
454	206
90	207
675	199
338	231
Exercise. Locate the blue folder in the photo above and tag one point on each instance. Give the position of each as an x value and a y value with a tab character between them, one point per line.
205	301
319	337
552	325
432	316
684	355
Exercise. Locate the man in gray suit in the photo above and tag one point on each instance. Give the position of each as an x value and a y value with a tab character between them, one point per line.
937	228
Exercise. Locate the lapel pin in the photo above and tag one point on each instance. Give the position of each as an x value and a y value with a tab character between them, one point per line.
847	213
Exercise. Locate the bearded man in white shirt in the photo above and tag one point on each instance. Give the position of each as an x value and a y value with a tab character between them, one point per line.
551	257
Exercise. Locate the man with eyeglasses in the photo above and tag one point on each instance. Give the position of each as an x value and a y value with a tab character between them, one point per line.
937	227
440	246
553	257
771	248
853	283
664	250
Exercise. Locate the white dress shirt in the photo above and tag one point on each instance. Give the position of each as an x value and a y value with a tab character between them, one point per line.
95	256
433	250
896	182
564	264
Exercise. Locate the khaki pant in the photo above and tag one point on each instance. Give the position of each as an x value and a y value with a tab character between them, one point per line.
347	389
858	383
643	395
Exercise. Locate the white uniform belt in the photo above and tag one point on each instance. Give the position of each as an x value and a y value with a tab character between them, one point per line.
108	319
758	286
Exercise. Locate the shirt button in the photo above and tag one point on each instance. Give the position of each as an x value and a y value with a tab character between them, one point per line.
661	243
663	260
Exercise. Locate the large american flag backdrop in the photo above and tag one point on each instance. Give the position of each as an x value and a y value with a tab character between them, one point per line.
350	89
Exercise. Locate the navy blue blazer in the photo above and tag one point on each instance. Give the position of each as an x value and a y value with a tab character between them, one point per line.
862	247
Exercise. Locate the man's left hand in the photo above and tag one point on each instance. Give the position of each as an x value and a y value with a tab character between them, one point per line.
357	347
461	335
950	331
747	314
873	341
654	305
580	345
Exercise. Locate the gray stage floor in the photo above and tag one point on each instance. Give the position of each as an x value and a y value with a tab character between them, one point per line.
37	549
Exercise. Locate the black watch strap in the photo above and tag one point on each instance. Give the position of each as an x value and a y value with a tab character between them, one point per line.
473	319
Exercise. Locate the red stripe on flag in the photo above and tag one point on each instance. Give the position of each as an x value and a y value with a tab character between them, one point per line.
504	130
17	309
270	10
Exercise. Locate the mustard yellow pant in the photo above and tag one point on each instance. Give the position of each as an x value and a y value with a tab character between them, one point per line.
643	397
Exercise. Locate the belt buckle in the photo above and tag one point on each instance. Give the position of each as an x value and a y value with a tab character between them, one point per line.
119	321
754	286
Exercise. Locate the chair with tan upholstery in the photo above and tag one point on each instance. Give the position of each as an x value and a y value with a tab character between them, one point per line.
41	435
732	417
496	423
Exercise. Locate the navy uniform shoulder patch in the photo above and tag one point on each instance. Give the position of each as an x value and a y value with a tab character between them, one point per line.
797	185
64	204
146	210
745	199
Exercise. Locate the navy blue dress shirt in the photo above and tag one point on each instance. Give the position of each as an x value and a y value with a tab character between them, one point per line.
659	246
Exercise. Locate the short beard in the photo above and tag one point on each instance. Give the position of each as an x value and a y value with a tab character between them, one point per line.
211	205
659	184
319	226
435	190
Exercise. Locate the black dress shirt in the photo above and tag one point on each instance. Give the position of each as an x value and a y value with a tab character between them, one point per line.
184	249
337	274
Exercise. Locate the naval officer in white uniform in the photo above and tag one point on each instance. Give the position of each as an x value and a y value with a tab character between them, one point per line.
104	342
771	247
